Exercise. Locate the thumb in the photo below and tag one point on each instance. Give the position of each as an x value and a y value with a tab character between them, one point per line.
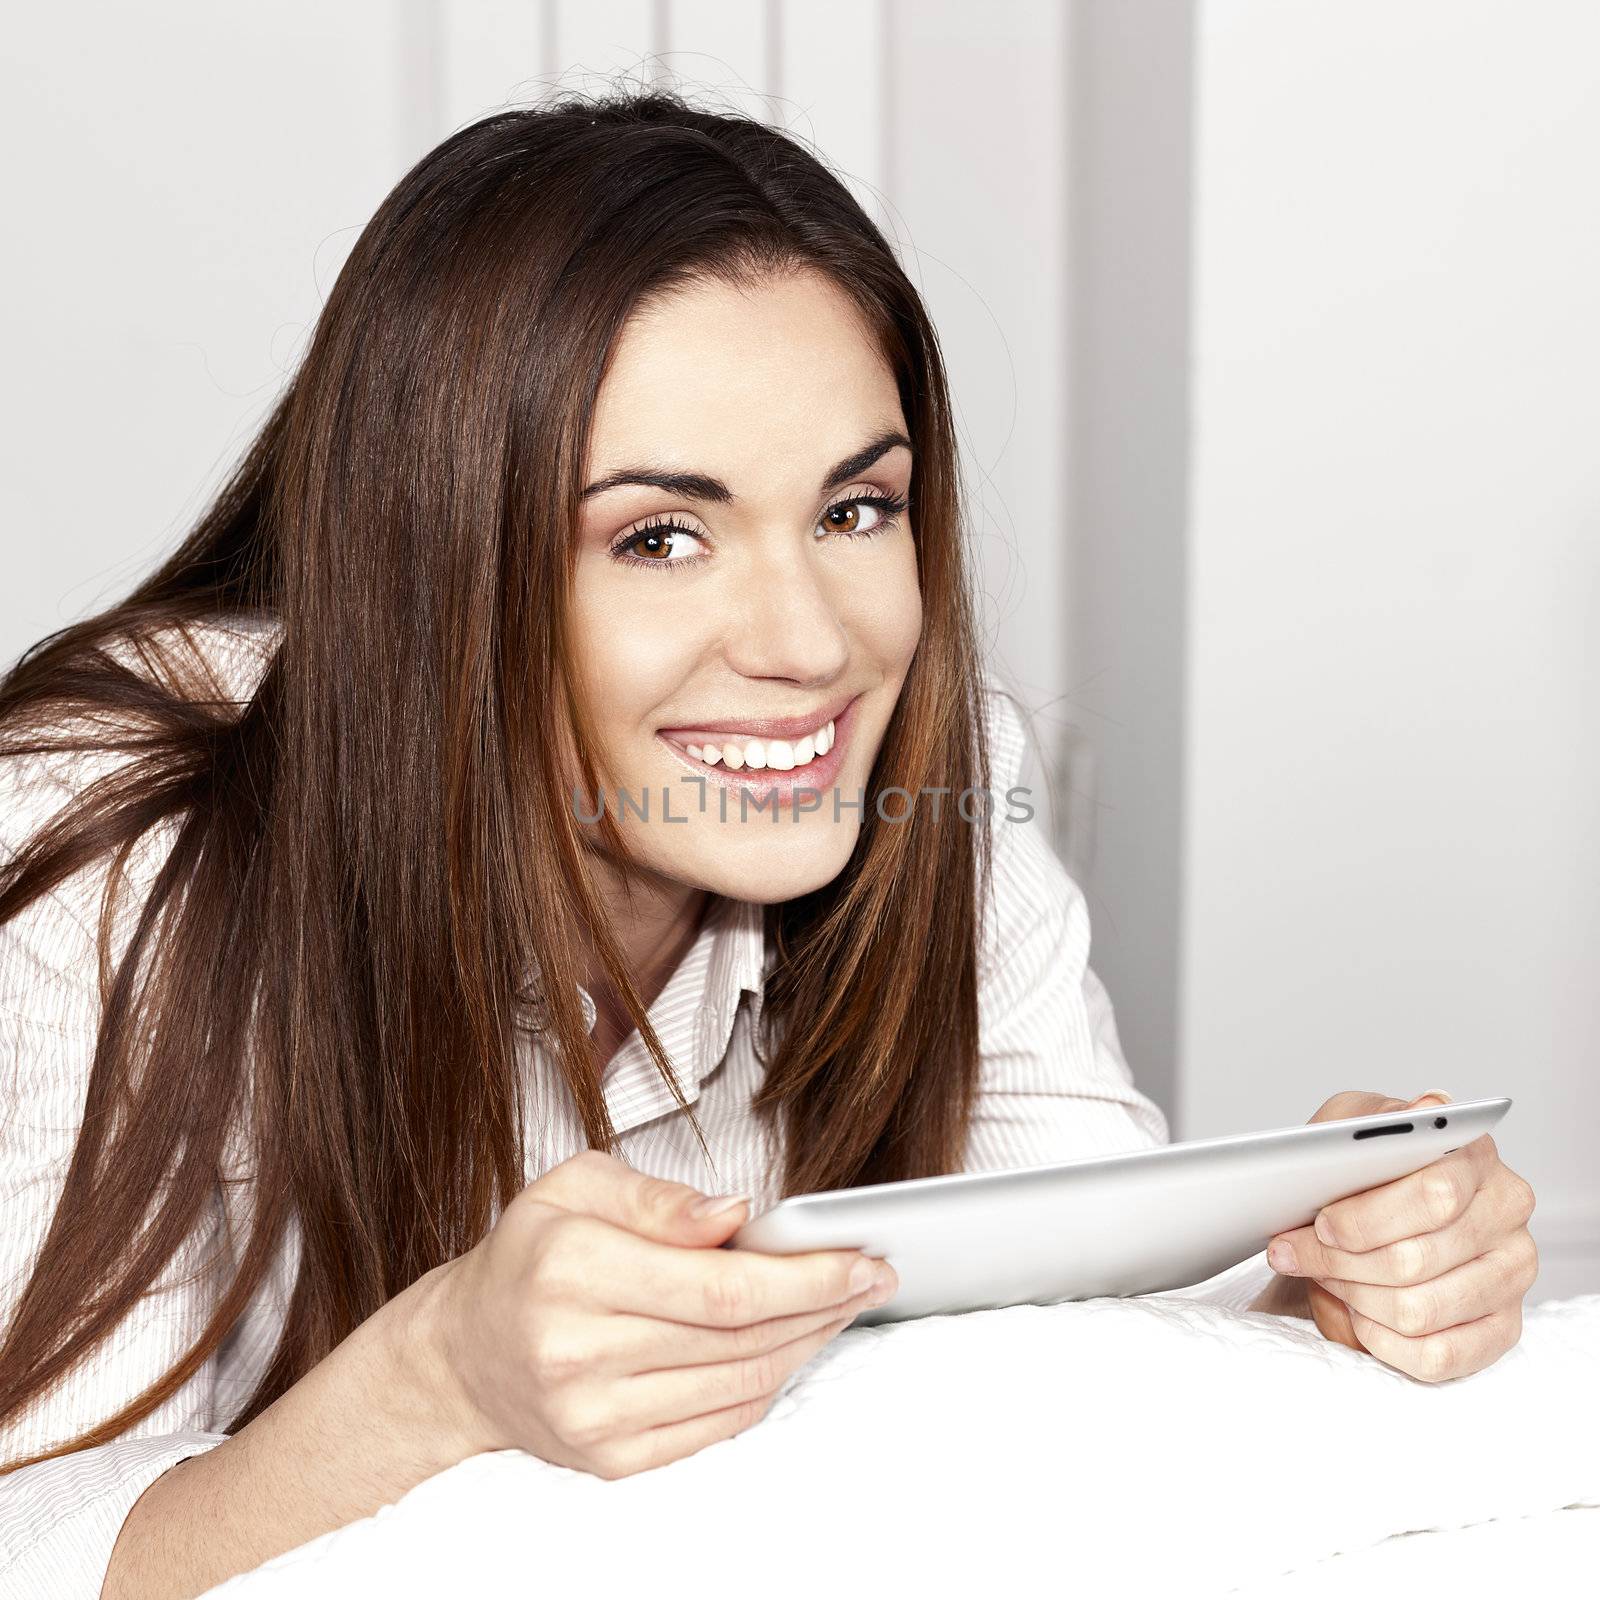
1332	1316
1436	1097
599	1185
1356	1103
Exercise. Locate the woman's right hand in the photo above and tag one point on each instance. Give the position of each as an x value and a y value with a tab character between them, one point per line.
597	1326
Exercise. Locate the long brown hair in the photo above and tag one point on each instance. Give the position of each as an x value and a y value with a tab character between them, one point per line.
373	851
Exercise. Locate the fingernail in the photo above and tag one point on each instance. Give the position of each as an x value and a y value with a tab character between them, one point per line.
713	1203
883	1289
1324	1230
1280	1256
1433	1094
863	1275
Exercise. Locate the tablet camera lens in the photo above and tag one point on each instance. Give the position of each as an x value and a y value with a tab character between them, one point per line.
1440	1122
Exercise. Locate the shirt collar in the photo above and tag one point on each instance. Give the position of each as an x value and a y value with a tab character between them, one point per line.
693	1015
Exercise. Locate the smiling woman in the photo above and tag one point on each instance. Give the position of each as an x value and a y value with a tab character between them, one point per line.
768	602
366	1129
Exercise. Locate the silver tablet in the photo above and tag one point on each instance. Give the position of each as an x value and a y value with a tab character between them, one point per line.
1113	1225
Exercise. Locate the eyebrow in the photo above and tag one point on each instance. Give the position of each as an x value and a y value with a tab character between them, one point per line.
701	486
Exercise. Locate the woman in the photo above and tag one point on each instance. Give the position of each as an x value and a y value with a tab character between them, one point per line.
560	737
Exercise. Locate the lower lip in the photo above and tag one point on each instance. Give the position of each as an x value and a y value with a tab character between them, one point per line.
780	787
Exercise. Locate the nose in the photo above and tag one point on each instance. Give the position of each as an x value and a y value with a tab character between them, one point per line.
786	620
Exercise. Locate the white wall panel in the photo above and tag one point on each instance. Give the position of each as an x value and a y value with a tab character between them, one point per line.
1394	869
183	183
607	39
491	54
727	53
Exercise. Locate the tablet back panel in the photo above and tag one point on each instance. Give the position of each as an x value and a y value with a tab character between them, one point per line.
1115	1225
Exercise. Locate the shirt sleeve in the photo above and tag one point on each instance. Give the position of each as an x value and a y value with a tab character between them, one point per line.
59	1519
1053	1085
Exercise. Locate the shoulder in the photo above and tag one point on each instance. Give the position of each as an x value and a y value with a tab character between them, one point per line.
48	766
1010	742
1028	891
224	656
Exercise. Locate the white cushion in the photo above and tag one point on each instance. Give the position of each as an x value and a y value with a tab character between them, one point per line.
1151	1446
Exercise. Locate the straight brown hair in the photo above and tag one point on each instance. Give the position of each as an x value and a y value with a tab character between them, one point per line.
375	848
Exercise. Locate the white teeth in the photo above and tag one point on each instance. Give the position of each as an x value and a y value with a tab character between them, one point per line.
781	755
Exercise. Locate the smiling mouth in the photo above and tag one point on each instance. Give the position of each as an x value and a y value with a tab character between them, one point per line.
766	763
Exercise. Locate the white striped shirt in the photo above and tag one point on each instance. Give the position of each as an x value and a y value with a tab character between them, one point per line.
1054	1086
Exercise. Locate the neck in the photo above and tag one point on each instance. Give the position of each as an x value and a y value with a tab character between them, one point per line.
654	922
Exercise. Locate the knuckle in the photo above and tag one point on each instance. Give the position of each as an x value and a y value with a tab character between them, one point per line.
574	1174
1434	1359
1528	1261
1441	1195
613	1461
575	1420
760	1375
554	1357
1408	1259
729	1298
556	1256
1414	1312
1348	1227
658	1195
1523	1197
746	1339
525	1206
750	1412
1347	1103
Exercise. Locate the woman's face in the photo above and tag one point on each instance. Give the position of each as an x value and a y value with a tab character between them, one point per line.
776	607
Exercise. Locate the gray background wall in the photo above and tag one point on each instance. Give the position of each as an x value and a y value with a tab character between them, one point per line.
1273	331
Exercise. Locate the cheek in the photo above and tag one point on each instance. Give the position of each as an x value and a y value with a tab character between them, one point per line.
885	614
630	651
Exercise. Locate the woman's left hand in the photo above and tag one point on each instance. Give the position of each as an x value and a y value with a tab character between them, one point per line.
1428	1272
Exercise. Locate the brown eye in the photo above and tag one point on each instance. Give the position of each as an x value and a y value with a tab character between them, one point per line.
661	544
843	517
655	545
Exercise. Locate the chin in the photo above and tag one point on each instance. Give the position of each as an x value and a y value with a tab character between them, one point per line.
772	870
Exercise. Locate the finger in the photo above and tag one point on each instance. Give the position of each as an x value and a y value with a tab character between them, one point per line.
1455	1352
1486	1222
1355	1103
676	1394
1432	1197
596	1184
657	1446
1475	1289
1331	1315
633	1345
614	1269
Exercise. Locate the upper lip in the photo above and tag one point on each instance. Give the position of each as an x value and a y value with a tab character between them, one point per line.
768	727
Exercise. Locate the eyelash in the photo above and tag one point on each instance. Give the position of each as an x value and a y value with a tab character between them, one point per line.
890	506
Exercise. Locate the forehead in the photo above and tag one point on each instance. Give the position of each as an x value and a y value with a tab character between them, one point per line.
781	378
